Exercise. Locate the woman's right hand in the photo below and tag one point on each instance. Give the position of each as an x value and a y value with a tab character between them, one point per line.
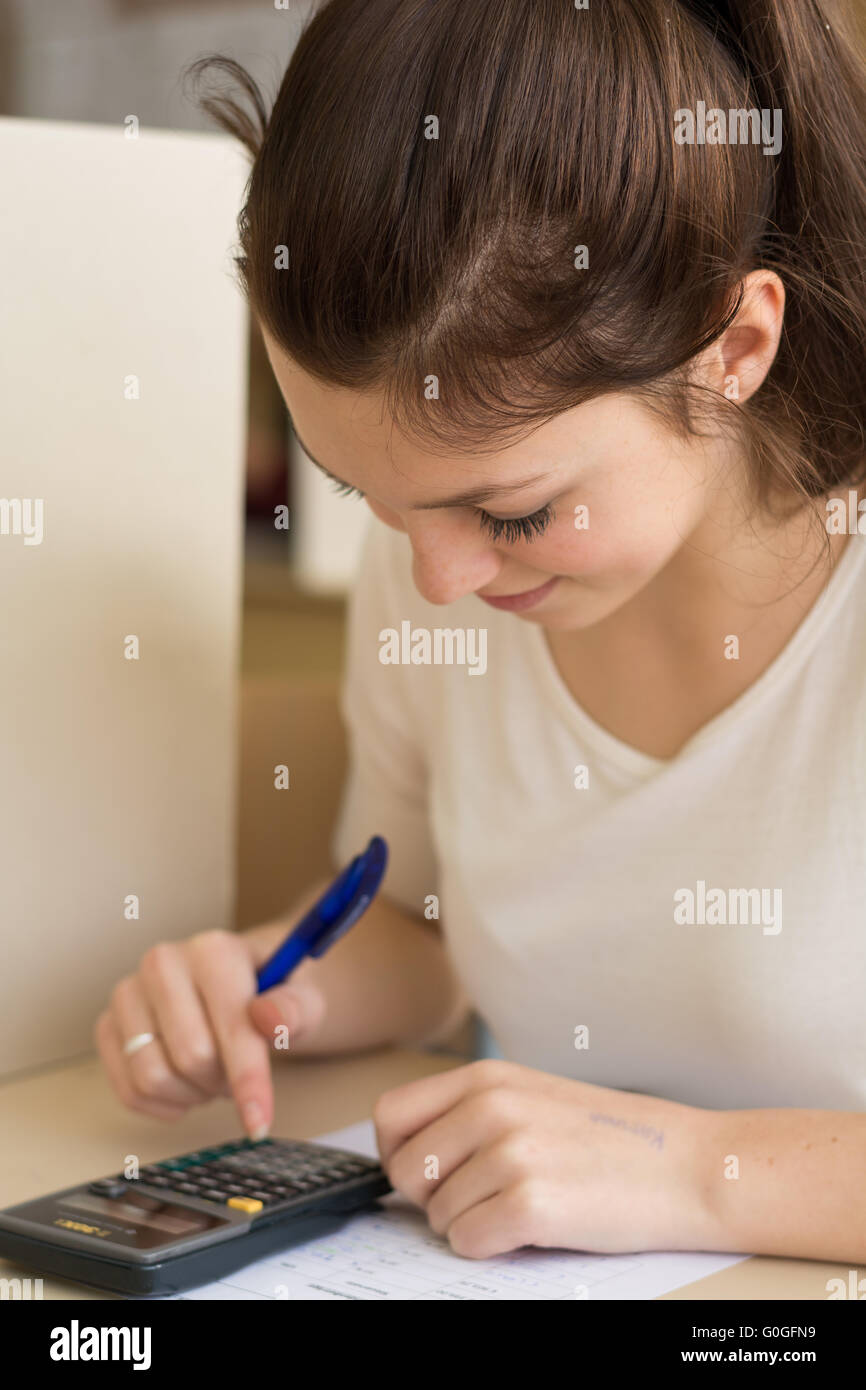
213	1034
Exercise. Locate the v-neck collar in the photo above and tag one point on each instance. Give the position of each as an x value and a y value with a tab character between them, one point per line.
640	765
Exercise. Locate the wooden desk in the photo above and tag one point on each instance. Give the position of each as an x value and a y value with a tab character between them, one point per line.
62	1125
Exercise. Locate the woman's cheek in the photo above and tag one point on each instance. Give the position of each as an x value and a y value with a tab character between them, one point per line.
575	552
605	541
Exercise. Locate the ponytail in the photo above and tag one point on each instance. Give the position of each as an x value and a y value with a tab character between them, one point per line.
802	58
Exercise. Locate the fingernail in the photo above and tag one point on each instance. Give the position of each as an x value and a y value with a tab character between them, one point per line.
254	1120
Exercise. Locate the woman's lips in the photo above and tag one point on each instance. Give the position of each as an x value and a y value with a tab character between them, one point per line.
518	603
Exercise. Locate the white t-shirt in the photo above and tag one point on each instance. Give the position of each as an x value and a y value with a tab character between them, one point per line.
566	908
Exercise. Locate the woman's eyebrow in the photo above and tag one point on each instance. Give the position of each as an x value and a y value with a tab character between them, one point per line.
474	497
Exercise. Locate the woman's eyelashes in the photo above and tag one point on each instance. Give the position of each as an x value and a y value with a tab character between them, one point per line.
518	528
345	489
510	530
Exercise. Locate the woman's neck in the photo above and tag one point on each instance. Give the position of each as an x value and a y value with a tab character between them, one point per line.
704	629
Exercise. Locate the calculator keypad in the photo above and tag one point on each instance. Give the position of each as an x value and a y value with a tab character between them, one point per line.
256	1175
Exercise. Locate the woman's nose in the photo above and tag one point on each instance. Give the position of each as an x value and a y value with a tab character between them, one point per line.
450	558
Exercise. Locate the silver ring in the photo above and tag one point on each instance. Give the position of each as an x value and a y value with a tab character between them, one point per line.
140	1040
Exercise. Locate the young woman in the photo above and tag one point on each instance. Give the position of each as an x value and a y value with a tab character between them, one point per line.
576	299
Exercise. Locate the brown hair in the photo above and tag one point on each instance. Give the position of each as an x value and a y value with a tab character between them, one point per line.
455	256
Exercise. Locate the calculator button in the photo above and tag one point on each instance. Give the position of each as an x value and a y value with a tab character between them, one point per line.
108	1187
248	1204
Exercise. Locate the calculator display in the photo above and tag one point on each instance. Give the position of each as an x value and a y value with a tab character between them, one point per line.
138	1220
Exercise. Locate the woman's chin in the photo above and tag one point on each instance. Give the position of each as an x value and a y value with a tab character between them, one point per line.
579	607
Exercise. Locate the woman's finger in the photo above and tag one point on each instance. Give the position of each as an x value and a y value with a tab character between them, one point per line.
149	1070
110	1043
181	1021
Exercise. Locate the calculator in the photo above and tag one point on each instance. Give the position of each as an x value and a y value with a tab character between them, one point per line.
191	1219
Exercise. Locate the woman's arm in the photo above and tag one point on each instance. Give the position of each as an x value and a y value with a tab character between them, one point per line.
787	1182
529	1158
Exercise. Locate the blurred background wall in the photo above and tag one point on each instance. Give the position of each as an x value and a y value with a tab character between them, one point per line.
100	61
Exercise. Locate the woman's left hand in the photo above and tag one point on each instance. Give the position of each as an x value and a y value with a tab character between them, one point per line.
501	1156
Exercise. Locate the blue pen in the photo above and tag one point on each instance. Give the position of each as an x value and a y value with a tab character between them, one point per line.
337	910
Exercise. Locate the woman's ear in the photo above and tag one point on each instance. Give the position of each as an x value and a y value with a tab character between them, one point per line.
744	354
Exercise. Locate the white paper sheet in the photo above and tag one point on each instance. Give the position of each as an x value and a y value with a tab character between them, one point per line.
393	1254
